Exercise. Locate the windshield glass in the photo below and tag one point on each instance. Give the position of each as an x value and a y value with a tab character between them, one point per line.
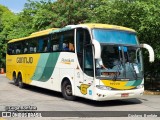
114	36
121	62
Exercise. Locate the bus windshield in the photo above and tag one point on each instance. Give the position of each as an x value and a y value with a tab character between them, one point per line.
122	62
120	55
114	36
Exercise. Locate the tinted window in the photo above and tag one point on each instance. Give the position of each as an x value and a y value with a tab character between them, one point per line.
43	44
63	41
84	51
33	45
114	36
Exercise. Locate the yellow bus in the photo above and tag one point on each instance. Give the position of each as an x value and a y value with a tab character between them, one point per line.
65	60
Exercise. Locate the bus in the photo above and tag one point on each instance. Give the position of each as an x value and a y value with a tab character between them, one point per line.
64	60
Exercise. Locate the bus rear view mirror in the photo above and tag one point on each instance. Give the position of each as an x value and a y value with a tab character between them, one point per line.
150	50
97	49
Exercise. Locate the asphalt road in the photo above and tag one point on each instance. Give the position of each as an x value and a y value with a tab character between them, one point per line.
46	100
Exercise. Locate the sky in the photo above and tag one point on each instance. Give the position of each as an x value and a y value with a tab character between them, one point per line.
15	6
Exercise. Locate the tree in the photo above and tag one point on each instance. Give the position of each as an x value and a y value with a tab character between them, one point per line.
67	12
7	21
40	13
141	15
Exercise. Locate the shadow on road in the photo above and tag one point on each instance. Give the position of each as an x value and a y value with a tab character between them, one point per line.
83	100
110	102
41	90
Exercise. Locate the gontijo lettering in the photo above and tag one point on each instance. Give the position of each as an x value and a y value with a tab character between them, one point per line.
24	60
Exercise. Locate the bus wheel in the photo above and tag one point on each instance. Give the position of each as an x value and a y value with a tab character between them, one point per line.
20	83
15	79
67	90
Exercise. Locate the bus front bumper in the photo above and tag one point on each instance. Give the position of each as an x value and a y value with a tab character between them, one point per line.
102	95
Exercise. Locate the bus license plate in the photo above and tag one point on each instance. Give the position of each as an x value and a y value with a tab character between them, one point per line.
124	94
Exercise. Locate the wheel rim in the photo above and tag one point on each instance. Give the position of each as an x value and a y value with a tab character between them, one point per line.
20	81
15	80
68	90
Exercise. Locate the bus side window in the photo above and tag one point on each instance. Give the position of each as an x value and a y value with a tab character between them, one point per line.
68	40
25	47
46	44
35	49
31	50
55	47
55	43
63	41
43	44
25	50
71	47
33	44
10	49
65	47
40	45
18	48
45	49
18	51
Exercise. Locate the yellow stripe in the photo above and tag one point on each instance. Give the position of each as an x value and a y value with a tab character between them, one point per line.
66	62
121	85
108	26
35	34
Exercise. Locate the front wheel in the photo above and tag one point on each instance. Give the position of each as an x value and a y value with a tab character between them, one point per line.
67	90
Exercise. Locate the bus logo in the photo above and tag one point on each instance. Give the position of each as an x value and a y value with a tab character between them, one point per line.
67	61
24	60
83	88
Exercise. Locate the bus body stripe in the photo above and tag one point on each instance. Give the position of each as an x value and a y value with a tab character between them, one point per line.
137	82
45	67
40	67
130	83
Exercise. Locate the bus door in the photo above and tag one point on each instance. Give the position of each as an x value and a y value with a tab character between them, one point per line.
84	72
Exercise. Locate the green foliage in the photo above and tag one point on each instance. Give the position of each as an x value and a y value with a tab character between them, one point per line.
141	15
71	12
7	21
40	13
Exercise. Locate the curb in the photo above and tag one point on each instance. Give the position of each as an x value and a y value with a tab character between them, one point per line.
149	92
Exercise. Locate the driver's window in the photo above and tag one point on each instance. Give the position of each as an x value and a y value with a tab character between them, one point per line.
110	56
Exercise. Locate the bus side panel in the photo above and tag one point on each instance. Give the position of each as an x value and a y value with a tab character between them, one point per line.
9	67
24	64
64	69
46	71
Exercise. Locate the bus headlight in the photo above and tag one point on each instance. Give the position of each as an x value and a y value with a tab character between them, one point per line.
140	86
102	87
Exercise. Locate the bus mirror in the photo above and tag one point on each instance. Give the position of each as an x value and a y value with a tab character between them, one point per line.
97	49
150	50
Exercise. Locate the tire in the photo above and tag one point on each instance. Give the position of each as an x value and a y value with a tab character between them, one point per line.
15	79
20	83
67	90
